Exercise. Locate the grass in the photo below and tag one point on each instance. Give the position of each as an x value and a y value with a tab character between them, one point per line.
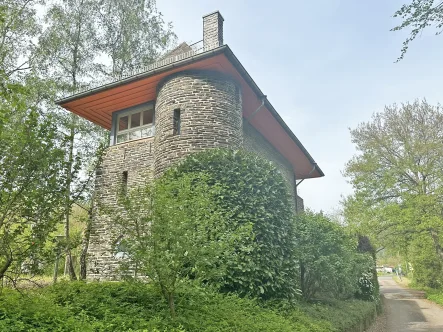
119	306
435	295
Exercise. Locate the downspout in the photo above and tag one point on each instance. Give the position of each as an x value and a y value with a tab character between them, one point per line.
257	110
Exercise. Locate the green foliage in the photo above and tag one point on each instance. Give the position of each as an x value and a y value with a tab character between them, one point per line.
31	164
435	296
427	267
172	230
139	307
133	34
343	315
417	16
251	190
20	313
73	49
18	26
397	177
328	261
368	286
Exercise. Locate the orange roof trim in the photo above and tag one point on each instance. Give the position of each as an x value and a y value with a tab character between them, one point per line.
97	105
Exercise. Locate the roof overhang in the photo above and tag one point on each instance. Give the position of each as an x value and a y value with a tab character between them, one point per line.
97	105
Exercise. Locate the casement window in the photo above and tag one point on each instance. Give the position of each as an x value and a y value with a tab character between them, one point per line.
135	124
176	120
124	182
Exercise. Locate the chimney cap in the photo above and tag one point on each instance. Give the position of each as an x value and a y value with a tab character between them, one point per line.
214	12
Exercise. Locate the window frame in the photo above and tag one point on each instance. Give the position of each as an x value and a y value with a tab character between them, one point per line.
176	122
129	112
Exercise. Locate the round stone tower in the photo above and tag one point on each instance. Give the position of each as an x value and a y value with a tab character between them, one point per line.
194	111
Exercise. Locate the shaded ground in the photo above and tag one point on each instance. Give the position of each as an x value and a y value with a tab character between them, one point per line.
406	310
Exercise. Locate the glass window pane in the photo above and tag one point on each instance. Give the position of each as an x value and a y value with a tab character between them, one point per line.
176	122
148	132
122	138
148	117
123	123
135	120
135	134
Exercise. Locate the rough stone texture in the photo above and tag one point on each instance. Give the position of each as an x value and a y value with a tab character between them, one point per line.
211	116
136	158
300	204
212	30
255	142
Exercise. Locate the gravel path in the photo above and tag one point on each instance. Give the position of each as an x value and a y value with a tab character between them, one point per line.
406	310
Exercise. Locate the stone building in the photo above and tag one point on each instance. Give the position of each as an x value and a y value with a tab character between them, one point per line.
196	97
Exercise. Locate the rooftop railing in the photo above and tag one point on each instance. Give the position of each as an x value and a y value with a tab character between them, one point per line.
196	48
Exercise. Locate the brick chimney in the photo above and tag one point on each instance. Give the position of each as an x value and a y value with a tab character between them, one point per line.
212	30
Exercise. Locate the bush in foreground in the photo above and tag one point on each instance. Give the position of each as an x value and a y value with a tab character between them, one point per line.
435	296
139	307
329	262
252	190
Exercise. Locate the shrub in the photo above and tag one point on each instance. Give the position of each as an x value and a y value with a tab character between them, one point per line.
123	306
172	230
328	259
435	296
427	266
348	315
251	190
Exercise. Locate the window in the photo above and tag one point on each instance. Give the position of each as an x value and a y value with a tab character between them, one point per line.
135	124
176	122
124	182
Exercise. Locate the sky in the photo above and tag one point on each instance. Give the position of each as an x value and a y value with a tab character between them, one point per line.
325	66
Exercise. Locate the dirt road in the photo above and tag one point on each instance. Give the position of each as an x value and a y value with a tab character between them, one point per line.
406	310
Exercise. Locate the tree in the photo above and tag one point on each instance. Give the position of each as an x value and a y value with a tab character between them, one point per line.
18	25
31	164
172	231
78	35
327	258
67	52
417	16
133	34
427	267
397	175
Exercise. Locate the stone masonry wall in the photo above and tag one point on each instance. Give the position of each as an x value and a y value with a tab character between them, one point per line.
255	142
211	116
136	158
212	30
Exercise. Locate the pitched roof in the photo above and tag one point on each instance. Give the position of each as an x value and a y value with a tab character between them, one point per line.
97	105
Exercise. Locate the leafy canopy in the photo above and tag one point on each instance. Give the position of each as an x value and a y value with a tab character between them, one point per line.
397	176
31	163
252	190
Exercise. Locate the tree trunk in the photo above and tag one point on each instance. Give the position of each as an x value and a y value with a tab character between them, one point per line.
5	267
171	304
68	262
85	246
